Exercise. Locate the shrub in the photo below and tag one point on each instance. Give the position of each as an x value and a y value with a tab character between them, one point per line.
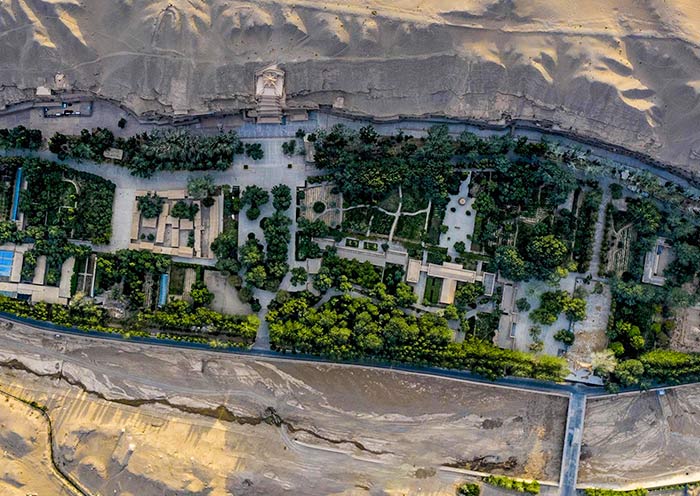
532	487
183	210
616	191
150	205
611	492
289	147
469	489
522	305
319	207
252	213
565	336
254	151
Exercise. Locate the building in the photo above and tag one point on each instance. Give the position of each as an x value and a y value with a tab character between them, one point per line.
656	261
451	274
269	95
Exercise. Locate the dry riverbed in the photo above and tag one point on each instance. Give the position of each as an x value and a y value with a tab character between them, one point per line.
149	420
642	439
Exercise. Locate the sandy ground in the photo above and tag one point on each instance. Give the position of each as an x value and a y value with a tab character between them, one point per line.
642	439
25	466
203	423
625	71
686	335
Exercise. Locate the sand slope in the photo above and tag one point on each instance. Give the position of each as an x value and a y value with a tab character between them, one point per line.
626	71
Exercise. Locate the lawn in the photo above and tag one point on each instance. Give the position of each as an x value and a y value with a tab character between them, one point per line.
369	245
433	287
177	279
391	202
434	224
381	222
410	227
413	201
356	220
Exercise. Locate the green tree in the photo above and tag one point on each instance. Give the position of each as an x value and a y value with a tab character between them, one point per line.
645	215
323	281
467	294
405	296
629	372
254	151
281	197
252	213
509	263
451	312
522	305
256	276
546	251
184	210
200	187
251	253
299	276
150	205
200	294
575	308
255	196
289	147
565	336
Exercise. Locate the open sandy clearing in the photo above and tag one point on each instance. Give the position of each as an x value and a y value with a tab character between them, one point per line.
204	423
648	438
25	466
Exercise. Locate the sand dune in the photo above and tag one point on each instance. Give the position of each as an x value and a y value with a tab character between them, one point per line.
625	71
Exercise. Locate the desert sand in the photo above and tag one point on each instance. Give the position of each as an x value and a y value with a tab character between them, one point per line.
25	466
624	71
642	439
151	421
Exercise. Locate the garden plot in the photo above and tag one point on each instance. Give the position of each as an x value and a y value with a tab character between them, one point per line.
532	290
686	336
9	173
590	333
320	202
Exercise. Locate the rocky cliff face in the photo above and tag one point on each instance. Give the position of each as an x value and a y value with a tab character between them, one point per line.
624	71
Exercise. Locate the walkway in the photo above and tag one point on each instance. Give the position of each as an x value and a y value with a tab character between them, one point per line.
460	223
572	444
599	231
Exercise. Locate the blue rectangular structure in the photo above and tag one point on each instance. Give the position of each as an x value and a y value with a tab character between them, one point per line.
15	197
6	258
163	293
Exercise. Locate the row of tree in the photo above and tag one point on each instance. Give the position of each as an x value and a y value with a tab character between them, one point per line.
154	151
20	137
375	328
